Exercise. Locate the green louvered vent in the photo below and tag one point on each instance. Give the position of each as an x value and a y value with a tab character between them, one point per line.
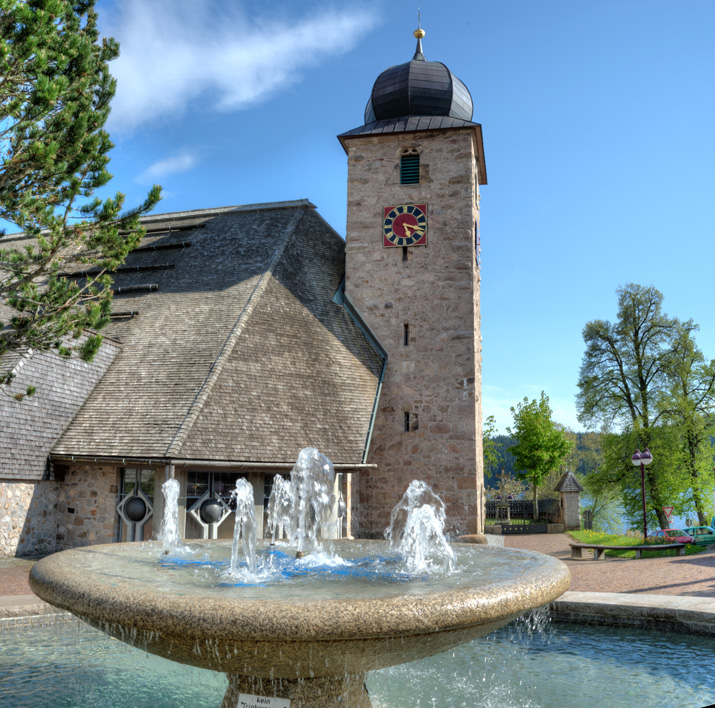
410	169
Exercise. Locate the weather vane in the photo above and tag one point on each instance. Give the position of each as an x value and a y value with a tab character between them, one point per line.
419	32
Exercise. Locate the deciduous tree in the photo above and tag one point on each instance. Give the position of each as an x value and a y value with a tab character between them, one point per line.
490	452
541	446
641	379
689	406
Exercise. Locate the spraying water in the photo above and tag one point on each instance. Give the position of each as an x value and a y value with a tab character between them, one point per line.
280	509
303	509
244	530
416	531
312	482
169	534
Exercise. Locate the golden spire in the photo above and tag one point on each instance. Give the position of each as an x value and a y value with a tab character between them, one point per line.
419	33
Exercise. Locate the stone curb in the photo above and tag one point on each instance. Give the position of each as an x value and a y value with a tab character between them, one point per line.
28	609
670	613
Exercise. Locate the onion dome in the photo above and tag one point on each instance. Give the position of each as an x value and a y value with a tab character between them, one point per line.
418	88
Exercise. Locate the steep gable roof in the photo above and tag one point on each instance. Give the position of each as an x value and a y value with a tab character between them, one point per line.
232	348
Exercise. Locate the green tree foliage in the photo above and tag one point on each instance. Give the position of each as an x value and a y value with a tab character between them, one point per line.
689	409
55	95
628	386
604	503
504	460
541	446
586	461
490	452
586	456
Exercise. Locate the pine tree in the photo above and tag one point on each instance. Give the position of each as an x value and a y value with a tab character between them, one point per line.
55	98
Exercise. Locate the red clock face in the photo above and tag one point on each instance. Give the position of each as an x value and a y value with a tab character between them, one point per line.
405	225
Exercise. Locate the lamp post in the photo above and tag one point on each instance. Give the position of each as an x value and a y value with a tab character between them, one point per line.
643	458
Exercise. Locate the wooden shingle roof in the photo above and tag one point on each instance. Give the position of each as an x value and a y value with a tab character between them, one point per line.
232	347
568	483
30	427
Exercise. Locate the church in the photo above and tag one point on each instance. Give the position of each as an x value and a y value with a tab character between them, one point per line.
240	335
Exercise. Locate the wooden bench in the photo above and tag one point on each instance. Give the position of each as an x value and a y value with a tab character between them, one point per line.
598	549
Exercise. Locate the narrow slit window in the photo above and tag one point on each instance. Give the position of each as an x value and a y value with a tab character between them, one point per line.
407	422
404	253
406	334
410	169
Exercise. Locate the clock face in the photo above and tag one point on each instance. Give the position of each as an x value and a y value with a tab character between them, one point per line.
405	225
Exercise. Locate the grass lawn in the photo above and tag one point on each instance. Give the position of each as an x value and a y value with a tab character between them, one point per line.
612	539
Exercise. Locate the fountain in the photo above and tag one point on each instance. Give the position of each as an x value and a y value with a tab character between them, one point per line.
304	632
169	534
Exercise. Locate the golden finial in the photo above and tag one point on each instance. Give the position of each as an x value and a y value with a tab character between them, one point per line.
419	33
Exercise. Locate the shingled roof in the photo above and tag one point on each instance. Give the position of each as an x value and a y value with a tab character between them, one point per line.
232	346
30	427
568	483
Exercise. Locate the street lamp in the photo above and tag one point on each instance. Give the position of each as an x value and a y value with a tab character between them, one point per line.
643	458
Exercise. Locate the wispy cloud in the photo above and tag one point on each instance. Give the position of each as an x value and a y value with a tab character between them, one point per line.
168	166
175	52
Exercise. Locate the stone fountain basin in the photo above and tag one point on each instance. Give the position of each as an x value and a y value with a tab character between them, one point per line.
122	590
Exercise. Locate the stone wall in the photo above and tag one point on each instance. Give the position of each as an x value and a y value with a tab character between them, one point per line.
37	518
571	510
436	376
86	512
28	517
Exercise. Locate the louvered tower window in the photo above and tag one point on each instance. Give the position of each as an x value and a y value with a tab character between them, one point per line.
410	167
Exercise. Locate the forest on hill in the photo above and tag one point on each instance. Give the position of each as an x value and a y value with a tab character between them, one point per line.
585	458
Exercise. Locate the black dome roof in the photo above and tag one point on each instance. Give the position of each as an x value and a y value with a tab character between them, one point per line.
418	88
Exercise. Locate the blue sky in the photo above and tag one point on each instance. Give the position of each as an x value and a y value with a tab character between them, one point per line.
598	122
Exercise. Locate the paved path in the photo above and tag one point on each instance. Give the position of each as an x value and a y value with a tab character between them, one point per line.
13	576
692	576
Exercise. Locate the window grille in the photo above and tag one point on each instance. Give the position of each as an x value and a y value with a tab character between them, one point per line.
410	169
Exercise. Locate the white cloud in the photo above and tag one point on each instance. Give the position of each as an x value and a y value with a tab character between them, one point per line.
175	52
169	166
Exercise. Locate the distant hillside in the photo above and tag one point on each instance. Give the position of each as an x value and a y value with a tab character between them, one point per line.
585	458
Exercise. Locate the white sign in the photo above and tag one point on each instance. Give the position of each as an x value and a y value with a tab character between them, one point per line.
246	701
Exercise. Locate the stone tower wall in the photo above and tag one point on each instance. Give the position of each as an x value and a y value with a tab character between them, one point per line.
436	377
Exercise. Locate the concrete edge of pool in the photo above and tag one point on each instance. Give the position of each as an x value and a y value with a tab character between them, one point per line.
674	613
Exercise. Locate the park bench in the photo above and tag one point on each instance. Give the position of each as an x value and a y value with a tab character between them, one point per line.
598	549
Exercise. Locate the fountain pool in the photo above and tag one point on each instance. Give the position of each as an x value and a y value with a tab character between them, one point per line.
301	627
71	665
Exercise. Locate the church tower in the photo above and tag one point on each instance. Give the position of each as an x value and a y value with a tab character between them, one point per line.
412	272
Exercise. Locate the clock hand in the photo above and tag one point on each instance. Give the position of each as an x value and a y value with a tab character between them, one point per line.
411	229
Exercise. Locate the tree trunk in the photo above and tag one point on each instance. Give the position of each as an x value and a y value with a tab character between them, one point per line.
536	503
662	518
656	500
